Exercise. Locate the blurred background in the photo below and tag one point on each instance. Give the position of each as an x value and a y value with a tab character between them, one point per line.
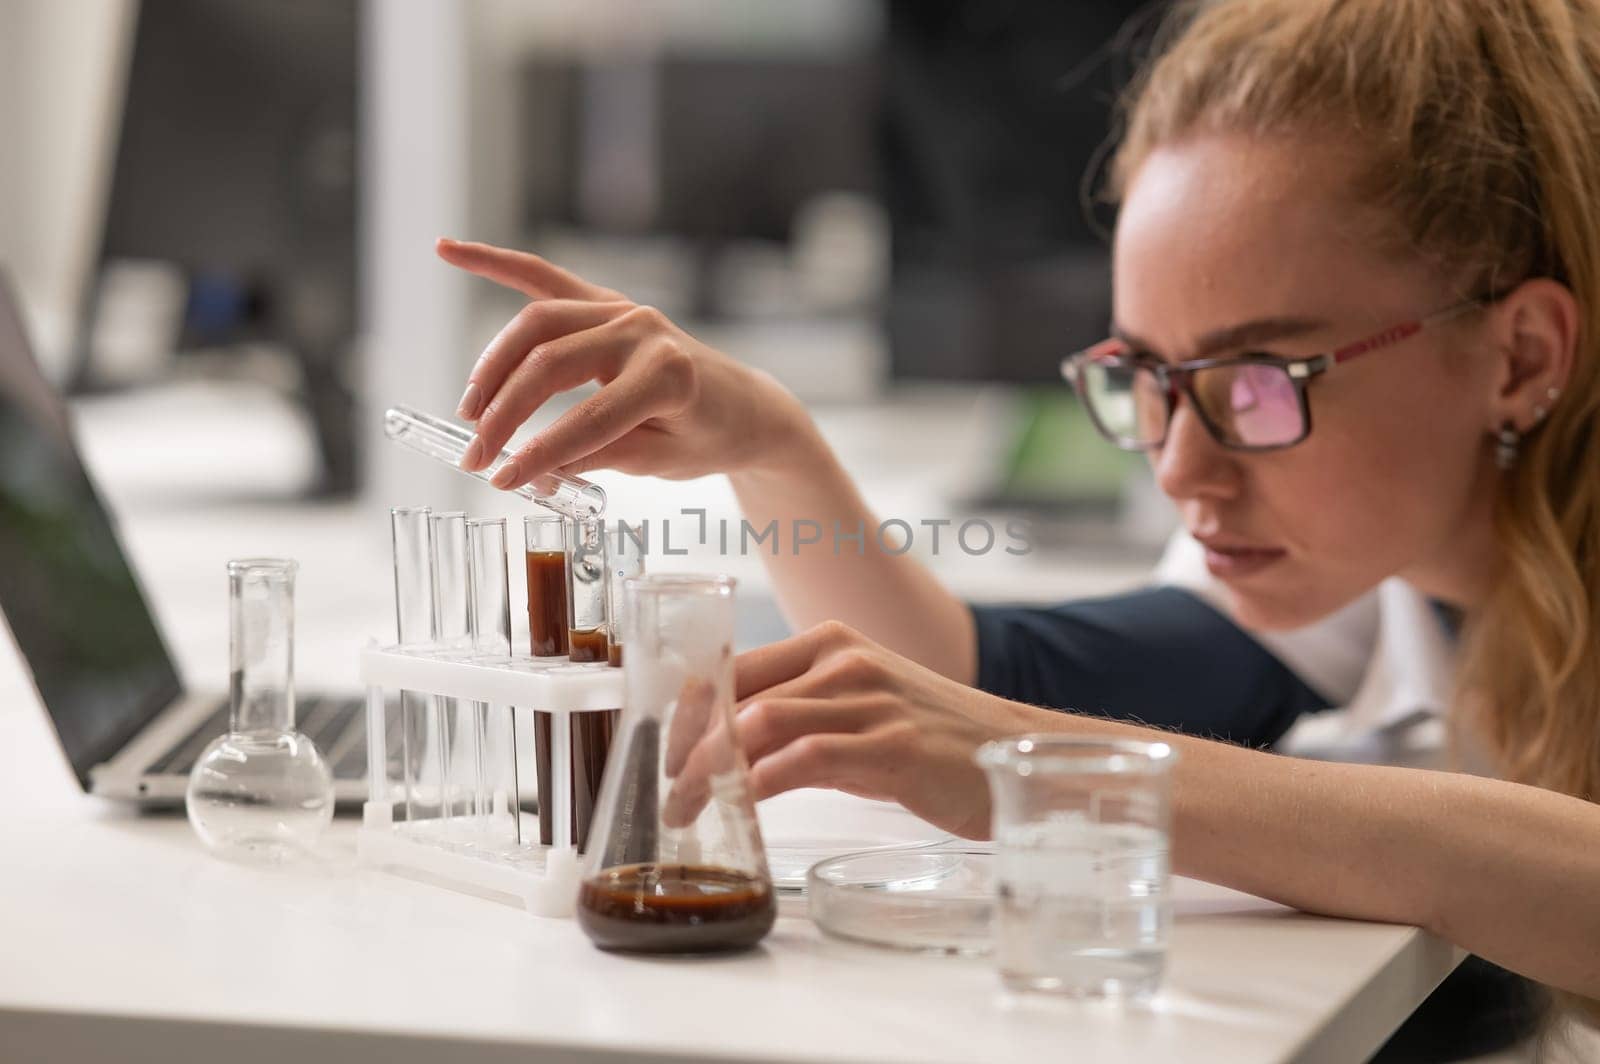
219	216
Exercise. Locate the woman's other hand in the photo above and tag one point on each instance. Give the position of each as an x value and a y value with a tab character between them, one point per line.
831	708
668	405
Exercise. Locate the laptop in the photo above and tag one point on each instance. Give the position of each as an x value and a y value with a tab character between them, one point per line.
127	724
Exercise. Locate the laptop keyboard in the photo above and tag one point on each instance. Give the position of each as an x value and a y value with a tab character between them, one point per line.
336	725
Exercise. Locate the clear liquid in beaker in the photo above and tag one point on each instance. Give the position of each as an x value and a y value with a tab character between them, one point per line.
1083	908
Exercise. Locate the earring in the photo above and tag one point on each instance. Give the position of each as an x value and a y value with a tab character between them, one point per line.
1539	412
1505	448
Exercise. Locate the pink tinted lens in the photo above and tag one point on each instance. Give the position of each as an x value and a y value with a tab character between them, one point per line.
1251	404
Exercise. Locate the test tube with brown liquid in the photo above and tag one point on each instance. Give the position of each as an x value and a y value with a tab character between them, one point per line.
586	590
586	641
624	561
547	586
544	540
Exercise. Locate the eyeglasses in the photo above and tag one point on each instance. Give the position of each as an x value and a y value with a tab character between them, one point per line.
1254	402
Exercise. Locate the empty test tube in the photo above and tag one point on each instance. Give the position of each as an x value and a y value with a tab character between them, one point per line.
497	797
488	584
452	623
448	442
414	630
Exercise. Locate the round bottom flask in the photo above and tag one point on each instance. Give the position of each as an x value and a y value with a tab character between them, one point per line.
262	792
260	796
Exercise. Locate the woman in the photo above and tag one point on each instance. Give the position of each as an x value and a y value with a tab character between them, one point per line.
1357	312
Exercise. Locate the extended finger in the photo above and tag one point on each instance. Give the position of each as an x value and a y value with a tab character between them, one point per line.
540	321
756	671
769	724
713	769
843	762
534	277
635	396
551	367
690	716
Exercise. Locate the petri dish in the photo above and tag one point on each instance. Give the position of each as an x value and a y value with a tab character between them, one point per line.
791	862
936	898
803	827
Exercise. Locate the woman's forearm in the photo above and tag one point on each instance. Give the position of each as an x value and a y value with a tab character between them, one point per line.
894	599
1509	872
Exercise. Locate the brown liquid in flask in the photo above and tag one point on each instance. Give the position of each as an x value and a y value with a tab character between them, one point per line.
586	645
547	603
614	655
675	908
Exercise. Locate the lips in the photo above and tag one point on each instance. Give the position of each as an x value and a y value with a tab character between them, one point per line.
1232	559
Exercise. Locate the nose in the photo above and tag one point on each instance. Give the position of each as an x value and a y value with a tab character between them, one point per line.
1191	464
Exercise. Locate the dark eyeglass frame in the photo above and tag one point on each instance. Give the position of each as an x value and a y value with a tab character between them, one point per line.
1176	377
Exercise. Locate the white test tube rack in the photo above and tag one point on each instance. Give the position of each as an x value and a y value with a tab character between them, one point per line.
542	878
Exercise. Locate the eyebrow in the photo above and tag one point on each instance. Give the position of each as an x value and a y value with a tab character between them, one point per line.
1259	331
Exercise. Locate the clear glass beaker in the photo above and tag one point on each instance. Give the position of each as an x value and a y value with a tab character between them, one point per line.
624	561
262	791
675	861
547	585
1081	832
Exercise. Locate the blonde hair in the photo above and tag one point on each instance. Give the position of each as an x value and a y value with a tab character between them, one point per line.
1480	121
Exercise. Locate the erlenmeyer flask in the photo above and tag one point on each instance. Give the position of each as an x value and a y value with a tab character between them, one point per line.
675	862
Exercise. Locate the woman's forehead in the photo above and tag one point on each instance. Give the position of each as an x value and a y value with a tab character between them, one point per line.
1218	230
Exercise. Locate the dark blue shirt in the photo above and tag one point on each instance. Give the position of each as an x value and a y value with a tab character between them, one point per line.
1160	656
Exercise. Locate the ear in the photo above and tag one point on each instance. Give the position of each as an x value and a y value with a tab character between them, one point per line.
1535	330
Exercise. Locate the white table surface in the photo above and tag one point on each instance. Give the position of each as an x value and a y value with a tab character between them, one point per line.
123	938
120	938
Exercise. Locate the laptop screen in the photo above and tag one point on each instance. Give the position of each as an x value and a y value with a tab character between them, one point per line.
69	597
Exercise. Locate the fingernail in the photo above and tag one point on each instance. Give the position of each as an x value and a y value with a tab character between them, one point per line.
507	476
471	402
474	455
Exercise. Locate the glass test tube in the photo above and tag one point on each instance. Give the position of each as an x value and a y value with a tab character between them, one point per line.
547	585
448	442
624	560
413	608
586	590
452	621
586	641
496	791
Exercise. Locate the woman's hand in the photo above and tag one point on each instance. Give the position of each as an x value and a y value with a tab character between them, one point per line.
668	405
831	708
